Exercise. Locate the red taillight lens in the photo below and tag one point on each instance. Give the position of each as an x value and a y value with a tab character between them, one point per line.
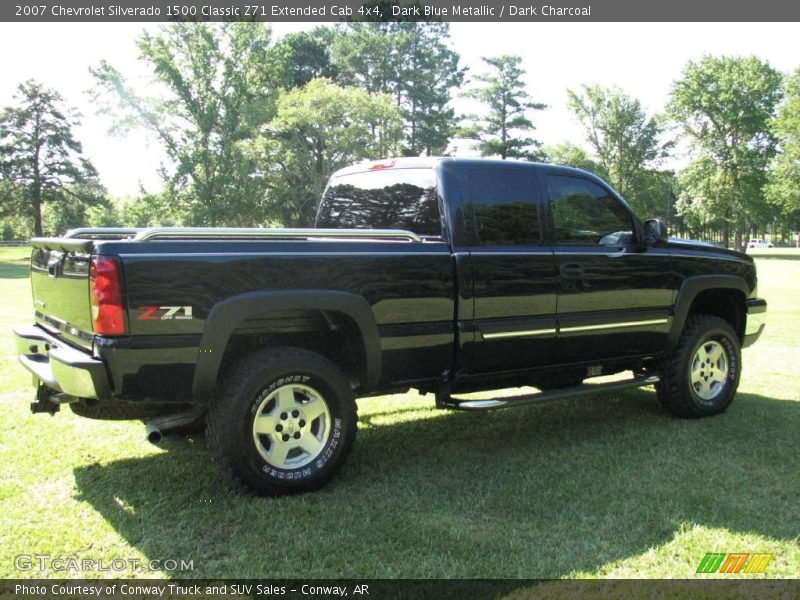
108	314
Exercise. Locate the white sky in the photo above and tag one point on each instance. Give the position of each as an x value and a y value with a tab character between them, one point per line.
642	58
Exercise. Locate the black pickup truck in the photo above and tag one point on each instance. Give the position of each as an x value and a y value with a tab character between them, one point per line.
444	275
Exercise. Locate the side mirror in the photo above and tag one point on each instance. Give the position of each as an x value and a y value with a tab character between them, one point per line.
655	232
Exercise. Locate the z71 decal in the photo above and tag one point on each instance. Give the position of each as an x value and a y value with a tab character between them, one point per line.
164	313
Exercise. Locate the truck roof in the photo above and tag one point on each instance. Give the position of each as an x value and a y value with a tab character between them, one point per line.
429	162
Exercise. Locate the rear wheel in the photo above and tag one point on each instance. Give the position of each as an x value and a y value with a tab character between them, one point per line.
283	421
701	375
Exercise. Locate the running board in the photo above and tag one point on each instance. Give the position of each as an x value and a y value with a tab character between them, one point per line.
513	401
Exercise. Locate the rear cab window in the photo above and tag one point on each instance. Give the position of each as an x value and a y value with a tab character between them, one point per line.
404	198
504	204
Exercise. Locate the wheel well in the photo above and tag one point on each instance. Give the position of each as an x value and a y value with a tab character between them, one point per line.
332	334
728	304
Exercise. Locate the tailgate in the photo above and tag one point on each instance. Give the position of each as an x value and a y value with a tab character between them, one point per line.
60	284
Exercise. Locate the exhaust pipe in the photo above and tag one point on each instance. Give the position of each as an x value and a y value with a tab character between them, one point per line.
158	426
153	433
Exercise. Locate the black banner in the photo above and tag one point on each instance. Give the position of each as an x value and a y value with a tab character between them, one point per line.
387	10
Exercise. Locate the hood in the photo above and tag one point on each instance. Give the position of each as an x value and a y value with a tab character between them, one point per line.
705	247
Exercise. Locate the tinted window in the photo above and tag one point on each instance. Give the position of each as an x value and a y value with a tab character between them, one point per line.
385	199
584	212
504	207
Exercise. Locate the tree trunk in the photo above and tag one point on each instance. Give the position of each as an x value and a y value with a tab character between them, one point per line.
737	240
37	218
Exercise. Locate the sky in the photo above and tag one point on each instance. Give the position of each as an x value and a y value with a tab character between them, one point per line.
641	58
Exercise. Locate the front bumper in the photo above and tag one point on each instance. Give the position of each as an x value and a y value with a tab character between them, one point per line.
756	319
59	366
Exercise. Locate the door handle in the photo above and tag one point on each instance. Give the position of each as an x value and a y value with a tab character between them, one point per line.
571	271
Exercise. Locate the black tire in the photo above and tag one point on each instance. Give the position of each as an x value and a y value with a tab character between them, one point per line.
677	392
250	390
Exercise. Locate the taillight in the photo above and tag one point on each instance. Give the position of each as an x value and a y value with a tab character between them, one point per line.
105	283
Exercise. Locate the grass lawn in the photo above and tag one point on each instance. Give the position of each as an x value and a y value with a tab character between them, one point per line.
608	486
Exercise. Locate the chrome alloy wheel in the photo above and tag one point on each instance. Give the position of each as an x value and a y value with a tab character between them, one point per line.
709	370
291	426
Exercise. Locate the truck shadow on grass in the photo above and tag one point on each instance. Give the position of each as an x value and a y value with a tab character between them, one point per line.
535	492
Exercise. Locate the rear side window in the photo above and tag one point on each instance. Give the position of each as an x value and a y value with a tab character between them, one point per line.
504	207
584	212
383	199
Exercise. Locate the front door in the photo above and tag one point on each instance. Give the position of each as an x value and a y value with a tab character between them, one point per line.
615	291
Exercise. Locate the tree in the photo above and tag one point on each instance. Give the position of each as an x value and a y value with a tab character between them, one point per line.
431	73
41	162
570	155
783	188
624	139
318	129
498	133
308	54
367	56
724	107
412	63
220	86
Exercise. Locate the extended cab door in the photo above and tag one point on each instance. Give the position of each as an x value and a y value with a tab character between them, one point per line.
513	276
615	292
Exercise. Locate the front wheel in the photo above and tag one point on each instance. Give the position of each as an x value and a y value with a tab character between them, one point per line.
283	421
701	375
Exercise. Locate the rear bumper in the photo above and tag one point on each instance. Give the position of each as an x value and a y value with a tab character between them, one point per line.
59	366
756	320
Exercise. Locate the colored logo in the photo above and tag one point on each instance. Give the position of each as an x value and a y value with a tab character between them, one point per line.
734	562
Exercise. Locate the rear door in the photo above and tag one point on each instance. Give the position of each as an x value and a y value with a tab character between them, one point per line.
514	276
615	293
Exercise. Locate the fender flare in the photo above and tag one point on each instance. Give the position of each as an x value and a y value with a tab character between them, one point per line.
226	315
689	290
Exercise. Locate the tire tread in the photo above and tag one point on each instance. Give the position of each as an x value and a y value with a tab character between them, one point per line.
670	389
232	386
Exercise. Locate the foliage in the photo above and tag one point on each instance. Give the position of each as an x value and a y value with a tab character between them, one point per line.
412	63
503	92
431	71
15	227
783	189
220	85
308	55
570	155
41	162
624	139
724	106
318	129
146	210
63	217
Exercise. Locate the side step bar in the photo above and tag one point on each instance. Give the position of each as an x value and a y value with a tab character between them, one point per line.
443	400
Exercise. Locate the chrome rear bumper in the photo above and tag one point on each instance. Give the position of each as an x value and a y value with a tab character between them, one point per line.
60	366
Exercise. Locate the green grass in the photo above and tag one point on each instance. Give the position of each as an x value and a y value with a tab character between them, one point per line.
602	487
